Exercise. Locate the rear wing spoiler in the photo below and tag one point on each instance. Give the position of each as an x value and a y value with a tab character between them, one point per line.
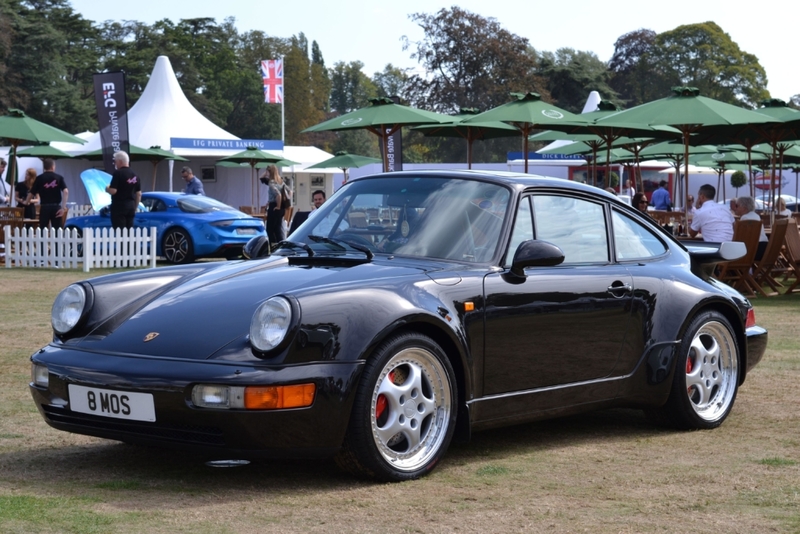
705	255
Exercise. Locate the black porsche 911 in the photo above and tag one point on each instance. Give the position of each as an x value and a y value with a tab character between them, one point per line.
411	309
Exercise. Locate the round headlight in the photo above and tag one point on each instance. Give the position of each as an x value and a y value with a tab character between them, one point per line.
68	308
270	323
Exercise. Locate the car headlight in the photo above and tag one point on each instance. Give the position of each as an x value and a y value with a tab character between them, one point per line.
270	323
68	308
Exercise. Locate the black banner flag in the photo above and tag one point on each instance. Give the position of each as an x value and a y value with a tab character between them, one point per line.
394	150
112	115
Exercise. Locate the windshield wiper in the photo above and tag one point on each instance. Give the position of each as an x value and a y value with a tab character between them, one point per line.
338	242
294	244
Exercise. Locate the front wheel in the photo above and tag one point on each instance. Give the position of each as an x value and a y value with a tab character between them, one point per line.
404	412
178	247
706	376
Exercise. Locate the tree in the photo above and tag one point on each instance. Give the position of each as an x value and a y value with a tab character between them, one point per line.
49	63
571	74
351	89
704	56
738	179
391	82
470	61
633	76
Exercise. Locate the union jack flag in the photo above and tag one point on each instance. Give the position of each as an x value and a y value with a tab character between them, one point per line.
272	74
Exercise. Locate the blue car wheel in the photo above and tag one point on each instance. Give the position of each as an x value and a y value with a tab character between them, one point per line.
178	247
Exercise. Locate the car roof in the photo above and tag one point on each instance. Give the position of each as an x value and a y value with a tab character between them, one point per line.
514	179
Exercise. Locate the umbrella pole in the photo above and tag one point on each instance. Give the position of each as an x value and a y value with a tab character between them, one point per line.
155	168
525	144
469	152
686	174
385	141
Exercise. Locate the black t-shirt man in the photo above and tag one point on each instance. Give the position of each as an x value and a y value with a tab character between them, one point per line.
125	189
52	191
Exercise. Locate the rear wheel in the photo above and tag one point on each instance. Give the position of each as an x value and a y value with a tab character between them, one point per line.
706	376
178	247
404	412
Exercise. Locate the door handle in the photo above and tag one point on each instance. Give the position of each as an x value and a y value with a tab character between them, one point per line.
618	289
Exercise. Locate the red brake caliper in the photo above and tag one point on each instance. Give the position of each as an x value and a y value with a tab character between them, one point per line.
689	366
382	403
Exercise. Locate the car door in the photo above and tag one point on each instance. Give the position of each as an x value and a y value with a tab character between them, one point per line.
559	325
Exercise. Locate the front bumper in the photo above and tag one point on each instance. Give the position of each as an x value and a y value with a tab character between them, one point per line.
315	431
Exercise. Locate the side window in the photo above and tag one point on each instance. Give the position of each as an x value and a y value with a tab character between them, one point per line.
576	226
523	229
633	241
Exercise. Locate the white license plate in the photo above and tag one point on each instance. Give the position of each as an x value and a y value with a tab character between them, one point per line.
246	231
110	403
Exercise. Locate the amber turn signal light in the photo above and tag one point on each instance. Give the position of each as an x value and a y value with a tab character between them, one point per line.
279	397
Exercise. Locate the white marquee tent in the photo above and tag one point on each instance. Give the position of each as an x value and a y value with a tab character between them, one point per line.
163	112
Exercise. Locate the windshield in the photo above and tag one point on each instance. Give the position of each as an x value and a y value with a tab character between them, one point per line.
427	217
201	204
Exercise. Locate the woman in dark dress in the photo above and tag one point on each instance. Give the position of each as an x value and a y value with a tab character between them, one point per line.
22	190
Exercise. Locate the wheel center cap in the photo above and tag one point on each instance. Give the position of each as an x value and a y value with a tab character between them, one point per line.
410	409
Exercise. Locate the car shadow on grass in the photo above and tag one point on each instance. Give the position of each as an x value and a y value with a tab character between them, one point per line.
100	466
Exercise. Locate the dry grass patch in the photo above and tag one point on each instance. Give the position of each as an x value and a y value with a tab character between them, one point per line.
609	471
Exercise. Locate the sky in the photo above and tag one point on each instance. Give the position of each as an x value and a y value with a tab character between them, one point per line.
372	32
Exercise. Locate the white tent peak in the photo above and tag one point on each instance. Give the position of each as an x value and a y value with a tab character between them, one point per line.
164	103
162	112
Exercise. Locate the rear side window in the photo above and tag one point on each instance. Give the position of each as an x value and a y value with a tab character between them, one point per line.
632	241
576	226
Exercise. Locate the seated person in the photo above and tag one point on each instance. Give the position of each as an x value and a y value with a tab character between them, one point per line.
640	203
713	220
745	208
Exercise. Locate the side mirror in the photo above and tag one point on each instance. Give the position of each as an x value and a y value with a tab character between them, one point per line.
533	253
257	247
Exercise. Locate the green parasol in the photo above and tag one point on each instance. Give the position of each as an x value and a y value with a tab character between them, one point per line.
471	131
344	161
383	118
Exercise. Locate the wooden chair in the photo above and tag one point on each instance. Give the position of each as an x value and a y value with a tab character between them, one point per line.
737	273
246	209
793	255
13	217
762	273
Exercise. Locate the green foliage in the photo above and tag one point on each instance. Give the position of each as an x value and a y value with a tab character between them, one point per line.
738	179
571	73
633	75
704	56
351	89
470	61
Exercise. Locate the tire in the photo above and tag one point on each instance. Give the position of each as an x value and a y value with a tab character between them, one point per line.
404	411
706	376
178	247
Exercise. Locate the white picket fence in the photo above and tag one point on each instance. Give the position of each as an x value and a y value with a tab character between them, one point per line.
67	249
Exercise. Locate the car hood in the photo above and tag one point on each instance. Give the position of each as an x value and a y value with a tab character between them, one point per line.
95	181
200	314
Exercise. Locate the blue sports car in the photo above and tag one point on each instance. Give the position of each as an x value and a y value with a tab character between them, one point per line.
188	226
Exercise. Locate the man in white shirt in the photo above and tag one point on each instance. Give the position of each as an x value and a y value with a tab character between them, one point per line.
714	221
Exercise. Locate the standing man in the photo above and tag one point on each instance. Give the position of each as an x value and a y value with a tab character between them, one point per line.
193	185
125	190
713	220
629	190
53	195
660	198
